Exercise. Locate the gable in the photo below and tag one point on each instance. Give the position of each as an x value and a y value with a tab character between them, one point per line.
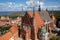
45	16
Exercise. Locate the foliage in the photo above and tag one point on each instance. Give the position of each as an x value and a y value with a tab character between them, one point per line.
56	13
3	29
15	14
55	38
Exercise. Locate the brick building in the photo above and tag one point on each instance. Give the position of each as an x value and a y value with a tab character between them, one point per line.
32	21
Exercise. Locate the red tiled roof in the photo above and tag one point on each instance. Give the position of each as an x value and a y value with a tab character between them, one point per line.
9	34
38	19
30	13
14	28
6	36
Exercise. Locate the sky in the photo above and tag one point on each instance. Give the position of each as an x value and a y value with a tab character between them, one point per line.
19	5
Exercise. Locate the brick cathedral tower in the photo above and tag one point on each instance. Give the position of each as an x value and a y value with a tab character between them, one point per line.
31	21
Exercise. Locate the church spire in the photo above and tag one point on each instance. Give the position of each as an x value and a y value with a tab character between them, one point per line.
39	9
46	9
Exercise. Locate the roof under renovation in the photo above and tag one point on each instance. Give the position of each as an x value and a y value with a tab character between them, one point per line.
45	15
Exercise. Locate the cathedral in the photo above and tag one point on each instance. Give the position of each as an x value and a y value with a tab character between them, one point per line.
35	22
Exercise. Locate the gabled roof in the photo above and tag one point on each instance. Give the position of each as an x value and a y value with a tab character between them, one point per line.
38	19
14	28
6	36
45	15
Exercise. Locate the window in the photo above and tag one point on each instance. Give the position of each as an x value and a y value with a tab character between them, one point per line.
25	26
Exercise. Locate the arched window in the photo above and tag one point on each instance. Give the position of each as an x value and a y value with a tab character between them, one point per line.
25	26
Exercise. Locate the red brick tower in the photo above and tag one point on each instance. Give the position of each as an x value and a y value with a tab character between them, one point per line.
30	24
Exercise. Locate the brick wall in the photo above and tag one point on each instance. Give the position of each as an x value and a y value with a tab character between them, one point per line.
34	24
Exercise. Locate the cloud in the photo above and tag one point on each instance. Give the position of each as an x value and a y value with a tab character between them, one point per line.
35	4
52	7
11	6
32	3
41	3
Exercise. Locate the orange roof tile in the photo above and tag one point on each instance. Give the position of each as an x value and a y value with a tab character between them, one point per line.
30	13
14	28
9	34
38	19
6	36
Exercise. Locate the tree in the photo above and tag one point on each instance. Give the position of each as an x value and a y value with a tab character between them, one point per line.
55	38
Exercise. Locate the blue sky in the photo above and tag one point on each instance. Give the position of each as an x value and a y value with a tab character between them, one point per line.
16	5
